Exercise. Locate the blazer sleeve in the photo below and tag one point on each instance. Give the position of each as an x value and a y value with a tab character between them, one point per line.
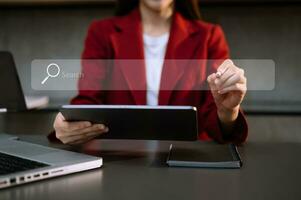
217	52
94	69
89	87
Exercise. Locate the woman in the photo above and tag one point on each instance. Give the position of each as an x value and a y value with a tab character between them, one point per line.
158	30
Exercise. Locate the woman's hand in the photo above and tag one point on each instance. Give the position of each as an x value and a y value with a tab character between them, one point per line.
228	86
76	132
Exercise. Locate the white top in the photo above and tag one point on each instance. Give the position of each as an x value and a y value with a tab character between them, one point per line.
154	52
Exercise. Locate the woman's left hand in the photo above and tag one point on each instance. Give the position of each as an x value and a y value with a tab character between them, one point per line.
228	86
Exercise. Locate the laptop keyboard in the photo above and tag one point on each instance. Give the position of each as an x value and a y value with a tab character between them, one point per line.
11	164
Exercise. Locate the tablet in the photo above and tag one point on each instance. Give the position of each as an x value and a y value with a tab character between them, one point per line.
139	122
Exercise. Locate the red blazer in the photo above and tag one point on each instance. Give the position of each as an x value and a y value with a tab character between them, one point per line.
121	38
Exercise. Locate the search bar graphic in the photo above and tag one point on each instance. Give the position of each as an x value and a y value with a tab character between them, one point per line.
50	74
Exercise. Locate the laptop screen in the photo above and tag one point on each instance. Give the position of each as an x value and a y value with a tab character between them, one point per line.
12	97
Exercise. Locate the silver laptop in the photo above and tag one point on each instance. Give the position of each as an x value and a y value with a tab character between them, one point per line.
22	162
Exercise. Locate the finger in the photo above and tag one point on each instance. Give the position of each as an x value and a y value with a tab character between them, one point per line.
211	81
236	78
59	119
60	116
90	136
223	67
73	126
236	87
75	138
93	128
228	74
214	91
219	73
211	78
62	124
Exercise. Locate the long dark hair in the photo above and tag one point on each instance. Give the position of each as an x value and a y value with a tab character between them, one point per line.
188	8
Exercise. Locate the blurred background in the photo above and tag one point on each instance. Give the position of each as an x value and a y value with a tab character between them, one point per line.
255	29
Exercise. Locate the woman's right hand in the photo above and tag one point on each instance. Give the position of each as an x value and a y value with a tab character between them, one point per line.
76	132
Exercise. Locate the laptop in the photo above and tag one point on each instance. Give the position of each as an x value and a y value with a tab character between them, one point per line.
23	162
14	99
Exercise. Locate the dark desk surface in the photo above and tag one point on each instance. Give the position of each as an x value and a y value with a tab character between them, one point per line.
137	170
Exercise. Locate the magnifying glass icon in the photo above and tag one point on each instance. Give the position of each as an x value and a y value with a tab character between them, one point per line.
51	75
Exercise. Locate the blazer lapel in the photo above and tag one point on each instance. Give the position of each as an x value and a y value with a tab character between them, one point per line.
172	69
128	45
